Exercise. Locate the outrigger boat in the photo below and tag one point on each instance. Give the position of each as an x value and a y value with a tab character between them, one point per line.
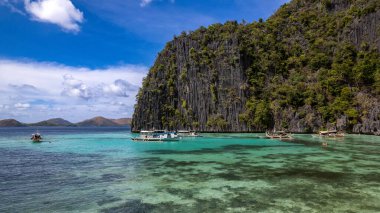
331	133
36	138
156	135
186	133
278	135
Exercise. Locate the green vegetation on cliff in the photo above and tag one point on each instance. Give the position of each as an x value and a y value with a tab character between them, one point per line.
314	64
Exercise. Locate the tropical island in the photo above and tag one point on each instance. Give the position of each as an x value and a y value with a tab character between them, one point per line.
312	65
215	113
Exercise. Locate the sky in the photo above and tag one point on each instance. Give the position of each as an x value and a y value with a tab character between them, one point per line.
77	59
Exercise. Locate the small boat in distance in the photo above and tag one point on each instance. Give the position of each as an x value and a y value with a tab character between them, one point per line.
187	133
278	135
331	133
156	135
36	137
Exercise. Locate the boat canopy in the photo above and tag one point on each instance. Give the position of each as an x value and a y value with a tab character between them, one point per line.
328	132
147	132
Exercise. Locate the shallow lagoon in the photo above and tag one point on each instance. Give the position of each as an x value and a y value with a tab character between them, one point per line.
101	169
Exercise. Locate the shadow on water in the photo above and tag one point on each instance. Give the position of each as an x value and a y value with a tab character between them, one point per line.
223	149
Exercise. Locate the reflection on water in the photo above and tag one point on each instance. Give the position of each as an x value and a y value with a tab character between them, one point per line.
101	169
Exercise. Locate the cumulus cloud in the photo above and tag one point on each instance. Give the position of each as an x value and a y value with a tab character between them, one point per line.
55	90
49	76
60	12
119	88
75	88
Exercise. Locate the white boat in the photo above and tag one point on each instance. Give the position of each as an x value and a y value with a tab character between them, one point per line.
187	133
331	133
278	135
36	138
156	135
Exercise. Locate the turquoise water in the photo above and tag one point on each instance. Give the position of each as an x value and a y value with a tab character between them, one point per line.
102	170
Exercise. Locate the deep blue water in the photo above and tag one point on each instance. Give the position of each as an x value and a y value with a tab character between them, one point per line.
102	170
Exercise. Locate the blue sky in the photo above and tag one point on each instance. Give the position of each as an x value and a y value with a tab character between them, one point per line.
84	56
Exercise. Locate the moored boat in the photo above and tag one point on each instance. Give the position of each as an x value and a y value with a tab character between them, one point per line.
278	135
156	135
331	133
187	133
36	138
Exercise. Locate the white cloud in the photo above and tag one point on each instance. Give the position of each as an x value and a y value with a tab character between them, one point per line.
59	12
21	106
119	88
54	90
49	76
75	88
24	88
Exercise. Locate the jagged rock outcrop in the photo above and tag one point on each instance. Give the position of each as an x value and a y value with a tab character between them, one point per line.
314	64
203	87
370	120
364	29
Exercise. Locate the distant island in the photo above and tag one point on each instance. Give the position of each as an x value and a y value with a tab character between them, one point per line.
96	122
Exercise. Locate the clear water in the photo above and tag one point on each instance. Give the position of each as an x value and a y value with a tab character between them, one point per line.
102	170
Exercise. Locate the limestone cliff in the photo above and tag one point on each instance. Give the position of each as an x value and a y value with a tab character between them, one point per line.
314	64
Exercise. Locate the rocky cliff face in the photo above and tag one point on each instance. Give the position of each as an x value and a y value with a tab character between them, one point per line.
364	28
314	64
204	82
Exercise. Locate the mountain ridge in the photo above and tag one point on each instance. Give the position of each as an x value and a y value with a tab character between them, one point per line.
11	122
96	121
53	122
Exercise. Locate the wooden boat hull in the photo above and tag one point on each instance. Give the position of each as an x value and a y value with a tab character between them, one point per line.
275	137
278	136
333	136
155	139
